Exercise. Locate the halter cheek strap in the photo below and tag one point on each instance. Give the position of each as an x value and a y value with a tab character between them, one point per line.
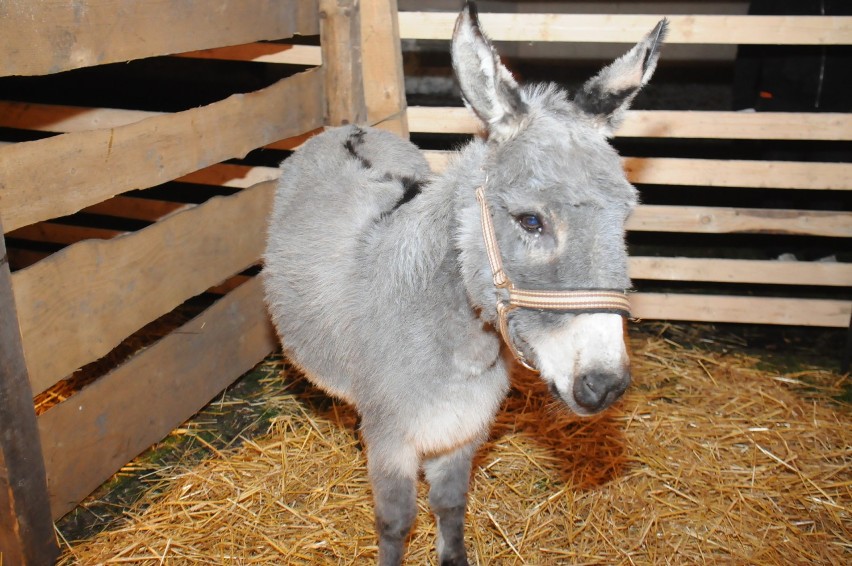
568	301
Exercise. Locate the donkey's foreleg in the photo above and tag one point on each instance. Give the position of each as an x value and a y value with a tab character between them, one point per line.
393	476
449	476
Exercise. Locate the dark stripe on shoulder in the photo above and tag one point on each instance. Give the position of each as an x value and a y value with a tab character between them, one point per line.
355	139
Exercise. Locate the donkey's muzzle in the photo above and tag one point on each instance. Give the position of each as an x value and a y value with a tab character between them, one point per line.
595	391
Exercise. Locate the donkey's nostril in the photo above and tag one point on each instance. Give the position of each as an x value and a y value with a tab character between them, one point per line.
596	391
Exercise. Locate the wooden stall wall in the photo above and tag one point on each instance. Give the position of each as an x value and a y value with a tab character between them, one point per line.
750	280
149	210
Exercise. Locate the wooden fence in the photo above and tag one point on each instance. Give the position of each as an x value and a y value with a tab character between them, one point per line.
72	291
833	280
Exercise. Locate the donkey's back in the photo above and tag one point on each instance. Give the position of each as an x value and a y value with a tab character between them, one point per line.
333	192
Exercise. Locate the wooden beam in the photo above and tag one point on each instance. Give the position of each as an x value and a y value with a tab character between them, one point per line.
728	220
747	310
48	37
26	529
670	124
279	53
384	80
772	272
719	172
739	173
81	302
340	32
630	28
65	234
54	177
95	432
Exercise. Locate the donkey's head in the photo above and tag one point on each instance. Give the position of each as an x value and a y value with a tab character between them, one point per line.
557	199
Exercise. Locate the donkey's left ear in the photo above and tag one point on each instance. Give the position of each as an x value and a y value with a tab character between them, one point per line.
487	86
608	95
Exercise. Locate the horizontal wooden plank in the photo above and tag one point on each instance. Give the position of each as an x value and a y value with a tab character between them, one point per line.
719	172
56	233
49	37
737	309
728	220
61	118
281	53
81	302
95	432
230	175
137	208
739	173
60	175
741	271
670	124
629	28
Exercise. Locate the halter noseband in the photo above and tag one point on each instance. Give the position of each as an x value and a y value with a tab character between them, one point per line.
574	301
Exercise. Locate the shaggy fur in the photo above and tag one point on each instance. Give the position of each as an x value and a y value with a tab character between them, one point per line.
377	279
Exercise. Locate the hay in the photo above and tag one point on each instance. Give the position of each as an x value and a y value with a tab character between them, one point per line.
706	460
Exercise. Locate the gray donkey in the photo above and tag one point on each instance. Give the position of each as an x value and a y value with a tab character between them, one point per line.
386	283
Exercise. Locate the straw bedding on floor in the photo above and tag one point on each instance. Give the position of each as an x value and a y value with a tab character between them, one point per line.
708	459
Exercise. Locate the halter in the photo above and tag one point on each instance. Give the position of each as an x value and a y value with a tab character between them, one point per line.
573	301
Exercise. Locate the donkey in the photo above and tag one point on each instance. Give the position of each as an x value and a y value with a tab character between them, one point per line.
388	285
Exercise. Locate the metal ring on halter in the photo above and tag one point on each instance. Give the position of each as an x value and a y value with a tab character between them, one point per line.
575	300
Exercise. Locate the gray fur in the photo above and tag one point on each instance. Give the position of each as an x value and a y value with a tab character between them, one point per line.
380	295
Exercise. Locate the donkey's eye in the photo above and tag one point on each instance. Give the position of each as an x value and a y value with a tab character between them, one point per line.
530	222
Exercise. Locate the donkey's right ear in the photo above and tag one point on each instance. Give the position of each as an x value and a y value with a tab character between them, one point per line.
487	86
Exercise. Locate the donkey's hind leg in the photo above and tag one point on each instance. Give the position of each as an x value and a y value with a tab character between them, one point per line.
393	476
448	476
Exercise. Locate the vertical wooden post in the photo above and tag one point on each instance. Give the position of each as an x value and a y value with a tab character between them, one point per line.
340	39
384	81
26	528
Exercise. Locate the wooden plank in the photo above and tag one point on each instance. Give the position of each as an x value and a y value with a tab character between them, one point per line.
90	436
62	233
739	173
41	37
230	175
61	118
138	208
58	176
279	53
748	310
630	28
81	302
726	220
340	32
671	124
719	172
741	271
26	529
384	80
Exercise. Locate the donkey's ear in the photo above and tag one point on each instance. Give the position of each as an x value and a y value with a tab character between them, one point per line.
607	95
487	86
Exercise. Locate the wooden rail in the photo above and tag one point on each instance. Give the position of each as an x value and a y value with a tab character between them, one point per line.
621	28
49	37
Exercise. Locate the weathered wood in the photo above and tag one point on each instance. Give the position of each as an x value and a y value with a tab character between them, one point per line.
229	175
630	28
95	432
281	53
42	37
739	173
719	172
725	220
26	529
671	124
62	233
81	302
384	81
137	208
340	33
741	271
58	176
748	310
